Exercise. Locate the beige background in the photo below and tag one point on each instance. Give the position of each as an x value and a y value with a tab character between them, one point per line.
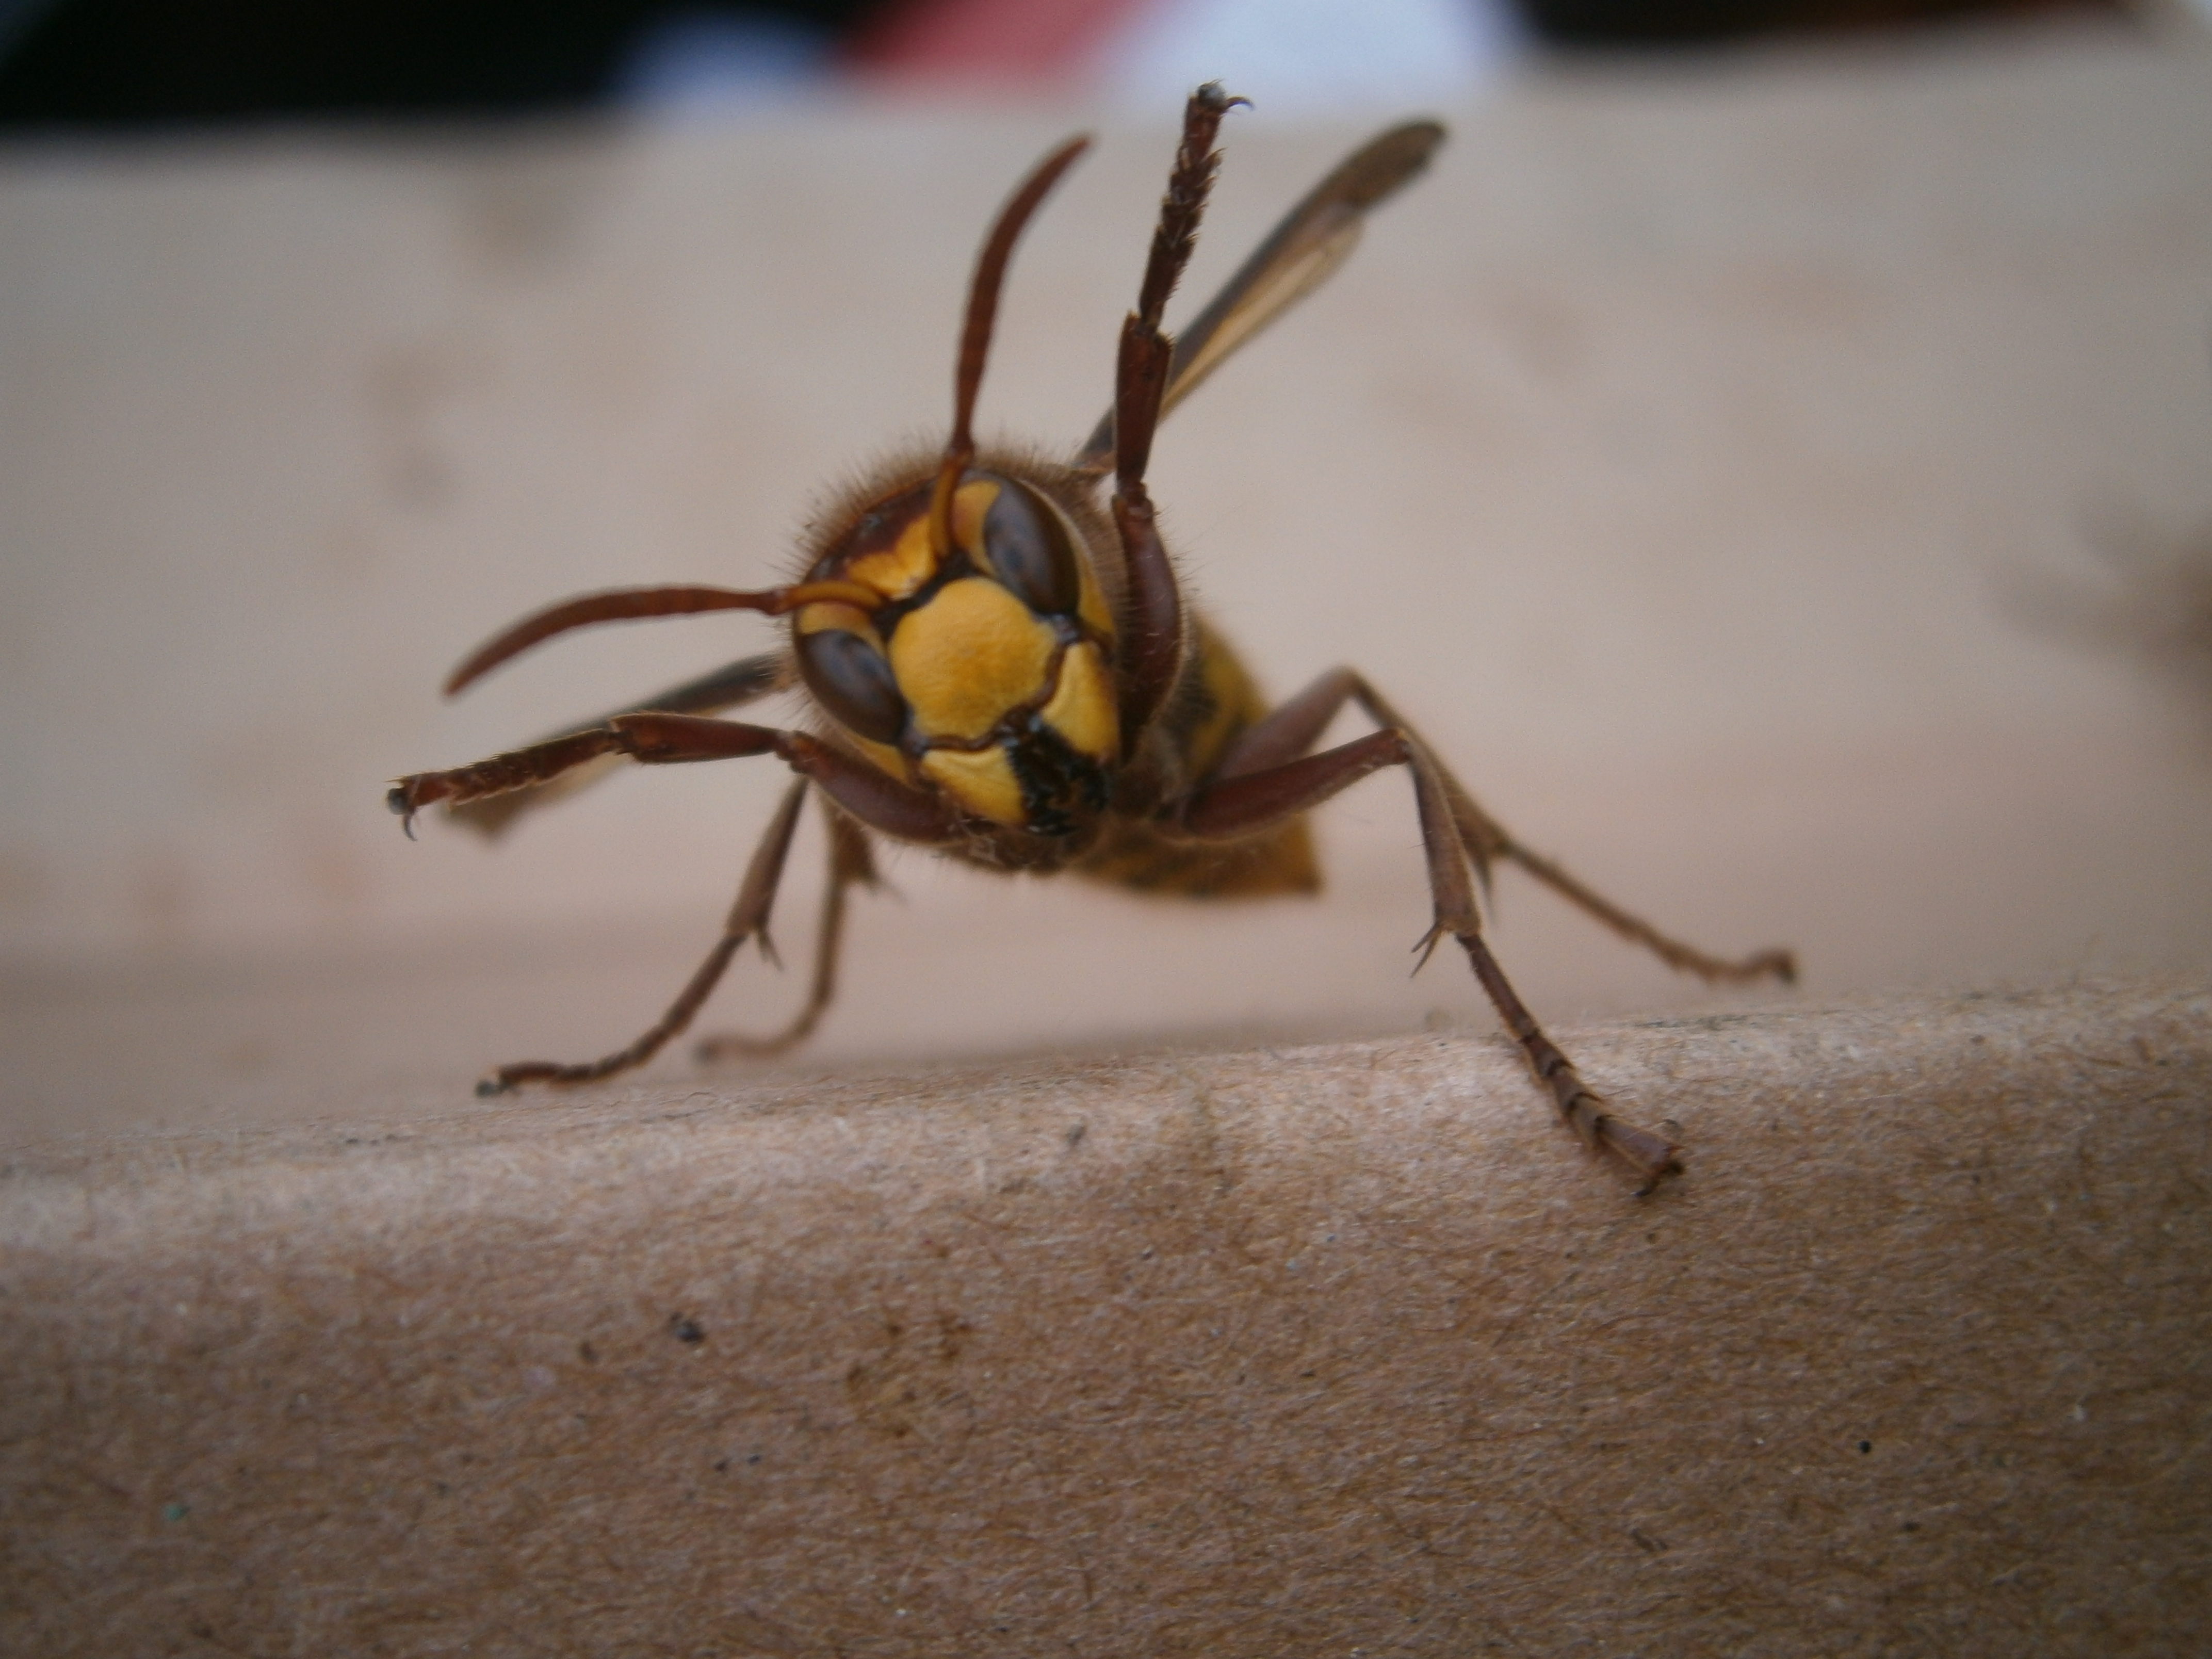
1705	460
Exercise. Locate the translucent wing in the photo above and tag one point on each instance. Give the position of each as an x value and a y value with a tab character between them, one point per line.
731	687
1296	258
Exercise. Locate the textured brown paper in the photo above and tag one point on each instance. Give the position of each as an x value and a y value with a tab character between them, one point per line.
1327	1350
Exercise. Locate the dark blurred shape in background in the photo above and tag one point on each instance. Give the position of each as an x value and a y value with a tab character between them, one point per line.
130	62
154	63
1611	25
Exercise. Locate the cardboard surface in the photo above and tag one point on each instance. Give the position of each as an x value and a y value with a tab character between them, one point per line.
1339	1349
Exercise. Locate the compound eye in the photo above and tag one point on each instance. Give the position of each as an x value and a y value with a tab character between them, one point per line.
1026	543
851	679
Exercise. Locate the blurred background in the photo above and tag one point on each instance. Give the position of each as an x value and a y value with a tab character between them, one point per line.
1771	456
126	63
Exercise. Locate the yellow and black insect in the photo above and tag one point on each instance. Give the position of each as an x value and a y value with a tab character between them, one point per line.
1004	667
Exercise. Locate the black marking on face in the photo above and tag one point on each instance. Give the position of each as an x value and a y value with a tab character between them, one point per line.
1055	780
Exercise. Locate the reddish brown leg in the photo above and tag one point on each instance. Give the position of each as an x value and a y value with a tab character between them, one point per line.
1294	726
870	796
851	864
1252	801
651	738
728	687
1152	650
879	800
748	919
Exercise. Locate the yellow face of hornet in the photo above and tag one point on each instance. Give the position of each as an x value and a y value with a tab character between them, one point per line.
986	674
